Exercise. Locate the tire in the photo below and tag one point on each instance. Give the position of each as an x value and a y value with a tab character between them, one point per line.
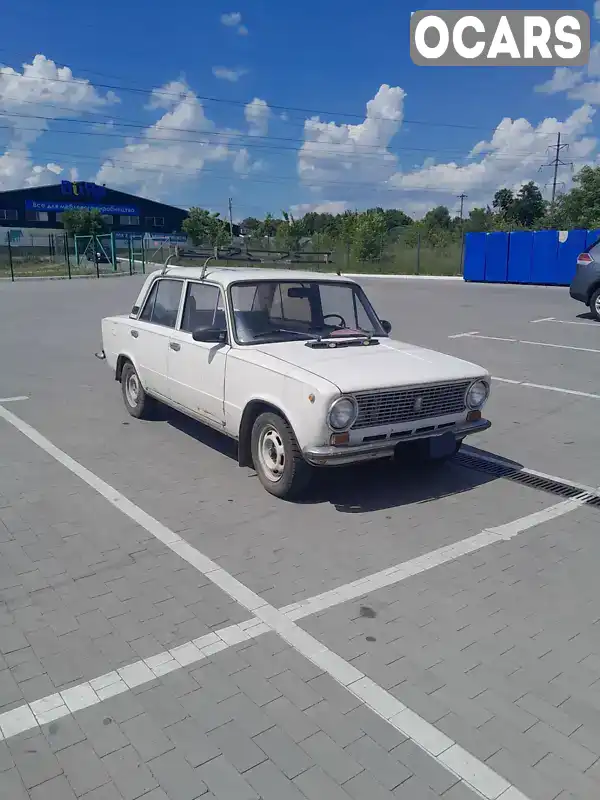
277	458
137	402
595	304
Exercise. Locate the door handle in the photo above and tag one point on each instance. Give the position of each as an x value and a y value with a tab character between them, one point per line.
174	345
134	334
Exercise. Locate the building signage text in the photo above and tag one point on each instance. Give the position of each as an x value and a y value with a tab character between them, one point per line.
42	205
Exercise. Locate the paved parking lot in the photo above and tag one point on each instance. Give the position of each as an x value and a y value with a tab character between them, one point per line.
170	631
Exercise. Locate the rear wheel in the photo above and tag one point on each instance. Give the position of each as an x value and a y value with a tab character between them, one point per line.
277	458
137	402
595	304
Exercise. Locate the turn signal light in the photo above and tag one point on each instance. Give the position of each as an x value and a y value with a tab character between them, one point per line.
473	416
339	438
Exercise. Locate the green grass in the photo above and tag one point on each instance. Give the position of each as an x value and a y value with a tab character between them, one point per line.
53	269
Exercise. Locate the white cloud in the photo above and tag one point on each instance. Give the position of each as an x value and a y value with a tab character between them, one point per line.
234	20
354	153
510	158
226	74
563	79
17	170
328	207
41	89
168	155
579	84
44	89
257	114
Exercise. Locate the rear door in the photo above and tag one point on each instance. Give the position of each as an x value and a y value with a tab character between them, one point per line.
152	331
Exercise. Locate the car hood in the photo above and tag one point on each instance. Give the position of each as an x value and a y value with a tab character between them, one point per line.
391	363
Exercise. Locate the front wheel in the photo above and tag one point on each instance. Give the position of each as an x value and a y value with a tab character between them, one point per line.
595	304
277	458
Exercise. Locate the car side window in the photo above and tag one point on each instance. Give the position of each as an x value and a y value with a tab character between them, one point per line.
203	308
162	304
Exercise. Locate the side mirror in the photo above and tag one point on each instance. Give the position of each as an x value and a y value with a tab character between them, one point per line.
387	326
216	335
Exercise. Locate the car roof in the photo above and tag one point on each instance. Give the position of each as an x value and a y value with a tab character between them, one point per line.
227	275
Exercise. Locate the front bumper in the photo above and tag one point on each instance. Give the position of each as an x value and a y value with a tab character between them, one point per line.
330	456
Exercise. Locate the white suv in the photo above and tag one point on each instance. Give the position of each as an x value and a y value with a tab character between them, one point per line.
296	366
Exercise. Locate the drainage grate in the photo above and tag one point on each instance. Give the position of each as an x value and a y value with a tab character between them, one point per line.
526	478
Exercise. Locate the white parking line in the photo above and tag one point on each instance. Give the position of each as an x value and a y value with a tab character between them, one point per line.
13	399
547	388
526	341
567	321
462	335
468	769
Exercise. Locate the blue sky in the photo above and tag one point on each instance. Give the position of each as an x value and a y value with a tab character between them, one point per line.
213	59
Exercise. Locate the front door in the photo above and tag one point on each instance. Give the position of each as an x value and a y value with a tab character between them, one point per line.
196	370
152	331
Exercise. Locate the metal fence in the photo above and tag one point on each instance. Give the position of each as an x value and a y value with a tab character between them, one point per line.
55	255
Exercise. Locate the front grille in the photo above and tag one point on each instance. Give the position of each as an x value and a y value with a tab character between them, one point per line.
394	406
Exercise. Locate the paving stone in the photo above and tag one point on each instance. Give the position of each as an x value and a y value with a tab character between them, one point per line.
284	752
34	760
224	781
414	789
176	777
131	777
316	785
82	767
296	690
331	758
11	786
365	787
339	727
189	737
55	789
146	736
101	730
389	772
378	729
107	792
237	747
424	767
271	784
294	722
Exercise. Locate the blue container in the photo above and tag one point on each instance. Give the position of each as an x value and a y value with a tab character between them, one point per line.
568	250
496	257
474	258
544	264
520	252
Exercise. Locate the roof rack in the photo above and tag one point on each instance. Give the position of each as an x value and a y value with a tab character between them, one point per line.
286	259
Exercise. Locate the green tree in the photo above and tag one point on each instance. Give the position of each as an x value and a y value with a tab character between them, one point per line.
580	207
368	235
503	201
268	227
205	228
83	222
251	225
529	206
290	231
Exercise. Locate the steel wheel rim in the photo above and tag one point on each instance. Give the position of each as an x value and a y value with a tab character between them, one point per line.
271	454
132	389
597	305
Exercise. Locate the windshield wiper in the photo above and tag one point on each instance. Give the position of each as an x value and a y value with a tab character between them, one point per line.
275	331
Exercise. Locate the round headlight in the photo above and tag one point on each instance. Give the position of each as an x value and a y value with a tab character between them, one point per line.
477	394
342	413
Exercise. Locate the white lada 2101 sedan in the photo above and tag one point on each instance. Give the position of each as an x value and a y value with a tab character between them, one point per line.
295	366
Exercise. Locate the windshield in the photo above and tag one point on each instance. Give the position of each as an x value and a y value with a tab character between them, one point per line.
289	310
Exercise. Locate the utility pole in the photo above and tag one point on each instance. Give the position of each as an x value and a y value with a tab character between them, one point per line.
556	163
462	197
230	218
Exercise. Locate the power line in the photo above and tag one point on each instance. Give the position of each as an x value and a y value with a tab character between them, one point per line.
556	162
209	99
247	140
